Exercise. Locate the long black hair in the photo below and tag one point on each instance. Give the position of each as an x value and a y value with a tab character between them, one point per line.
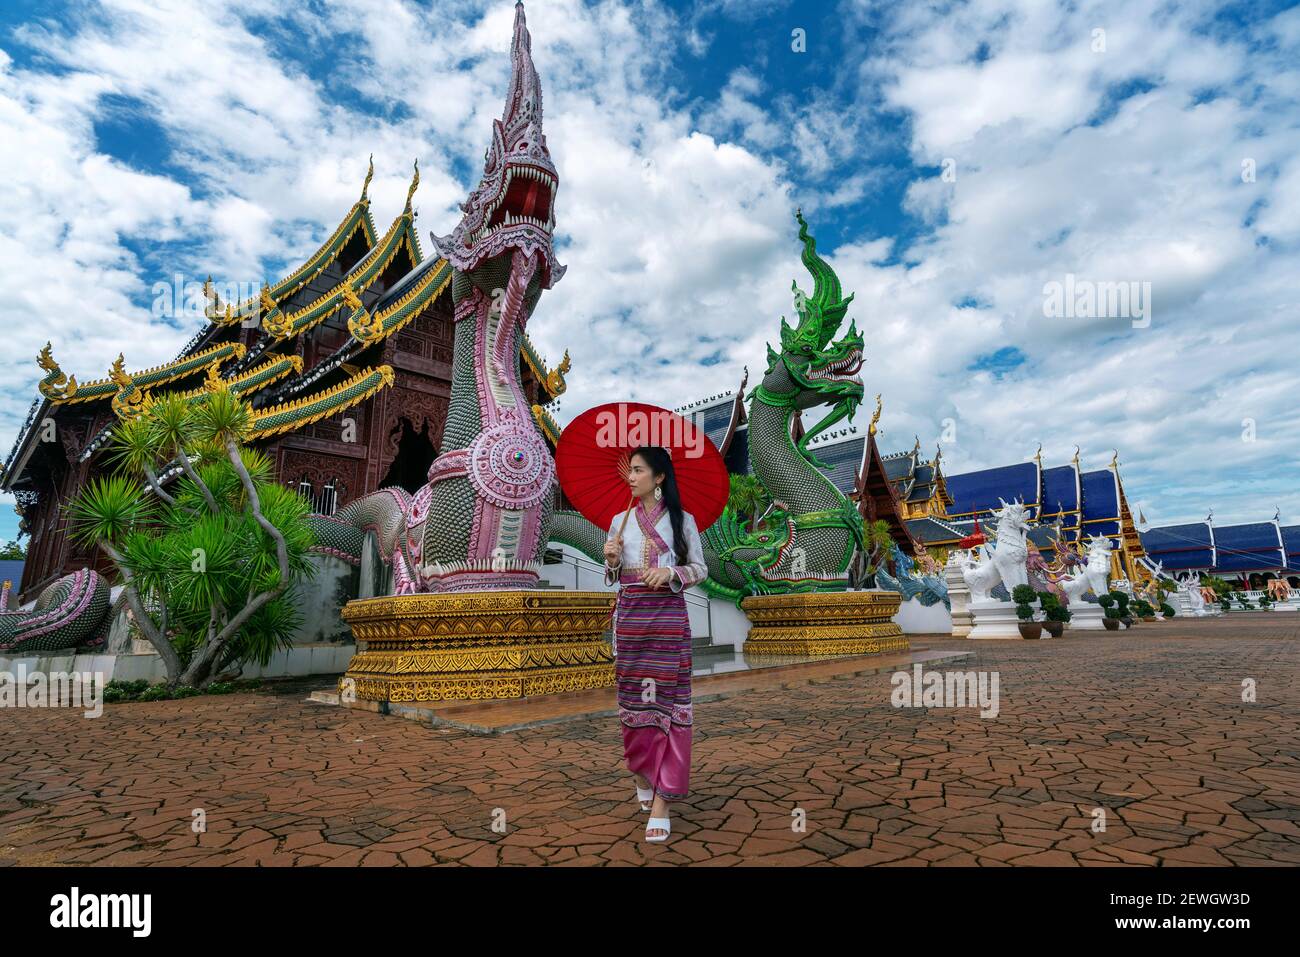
662	464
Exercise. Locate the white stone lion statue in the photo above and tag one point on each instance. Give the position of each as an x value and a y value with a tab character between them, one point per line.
1006	562
1095	575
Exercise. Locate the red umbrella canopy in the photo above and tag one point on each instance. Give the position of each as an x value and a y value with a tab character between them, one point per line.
594	452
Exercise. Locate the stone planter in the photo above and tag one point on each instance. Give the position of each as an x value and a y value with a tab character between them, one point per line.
1054	628
1110	624
1030	629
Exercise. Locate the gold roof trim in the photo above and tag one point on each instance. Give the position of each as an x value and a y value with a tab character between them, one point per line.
331	401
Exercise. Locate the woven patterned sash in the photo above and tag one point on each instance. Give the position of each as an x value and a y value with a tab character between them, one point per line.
656	545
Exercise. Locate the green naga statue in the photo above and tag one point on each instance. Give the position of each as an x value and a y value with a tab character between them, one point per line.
808	541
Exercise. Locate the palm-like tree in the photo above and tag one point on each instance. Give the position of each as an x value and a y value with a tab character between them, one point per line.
209	560
876	542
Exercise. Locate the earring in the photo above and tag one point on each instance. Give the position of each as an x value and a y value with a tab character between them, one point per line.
658	493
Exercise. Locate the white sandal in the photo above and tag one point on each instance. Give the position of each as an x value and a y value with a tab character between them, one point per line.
658	823
645	796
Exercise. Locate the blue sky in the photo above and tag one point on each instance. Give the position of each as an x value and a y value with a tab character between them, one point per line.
953	160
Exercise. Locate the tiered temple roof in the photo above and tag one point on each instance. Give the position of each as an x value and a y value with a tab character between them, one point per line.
307	347
921	485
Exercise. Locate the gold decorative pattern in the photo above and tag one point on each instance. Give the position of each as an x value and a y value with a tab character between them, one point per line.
56	386
288	416
546	424
379	326
54	390
479	645
820	624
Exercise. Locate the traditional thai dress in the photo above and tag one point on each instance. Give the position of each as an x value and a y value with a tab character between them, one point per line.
652	642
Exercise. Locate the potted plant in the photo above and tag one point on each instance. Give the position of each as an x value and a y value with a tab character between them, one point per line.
1264	602
1142	609
1108	619
1054	613
1225	604
1167	610
1023	595
1122	609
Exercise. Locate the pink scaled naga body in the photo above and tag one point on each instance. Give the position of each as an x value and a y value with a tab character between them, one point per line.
482	521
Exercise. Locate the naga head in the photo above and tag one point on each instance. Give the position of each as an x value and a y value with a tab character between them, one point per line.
513	207
823	370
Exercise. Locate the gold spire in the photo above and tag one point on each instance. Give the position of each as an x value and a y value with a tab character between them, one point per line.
415	182
1114	462
875	416
1076	457
1038	456
370	174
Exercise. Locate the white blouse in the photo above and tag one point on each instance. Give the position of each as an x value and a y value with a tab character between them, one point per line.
636	549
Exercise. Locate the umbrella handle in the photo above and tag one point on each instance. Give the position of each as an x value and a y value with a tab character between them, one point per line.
627	513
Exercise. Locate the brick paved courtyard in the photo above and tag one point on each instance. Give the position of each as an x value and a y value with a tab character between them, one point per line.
1148	725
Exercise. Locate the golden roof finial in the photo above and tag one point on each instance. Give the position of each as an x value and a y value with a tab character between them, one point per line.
415	182
45	359
56	385
350	297
1114	462
117	372
264	299
555	383
875	416
213	381
370	174
1076	456
1038	456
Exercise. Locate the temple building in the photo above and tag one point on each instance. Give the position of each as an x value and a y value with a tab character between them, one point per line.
1063	501
345	362
1252	553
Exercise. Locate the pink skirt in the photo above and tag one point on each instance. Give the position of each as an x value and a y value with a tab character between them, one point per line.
653	671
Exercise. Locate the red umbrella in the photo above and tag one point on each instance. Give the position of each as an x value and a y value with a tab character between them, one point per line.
593	455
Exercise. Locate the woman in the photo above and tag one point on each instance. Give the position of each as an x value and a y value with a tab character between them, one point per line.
658	555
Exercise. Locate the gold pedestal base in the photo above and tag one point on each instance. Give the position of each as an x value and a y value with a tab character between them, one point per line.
478	645
820	624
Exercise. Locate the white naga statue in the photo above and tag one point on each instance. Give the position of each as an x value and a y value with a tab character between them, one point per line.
1192	597
1006	562
1094	576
